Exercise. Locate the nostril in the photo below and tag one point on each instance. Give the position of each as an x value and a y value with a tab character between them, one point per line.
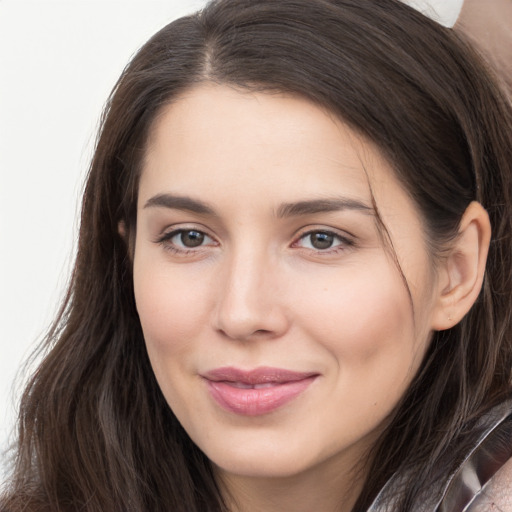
245	309
258	333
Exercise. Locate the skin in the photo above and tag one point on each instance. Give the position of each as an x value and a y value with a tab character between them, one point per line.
258	292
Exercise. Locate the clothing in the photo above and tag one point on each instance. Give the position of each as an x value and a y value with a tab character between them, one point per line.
444	12
487	23
483	482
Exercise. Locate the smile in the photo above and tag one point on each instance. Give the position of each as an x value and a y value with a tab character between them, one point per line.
256	392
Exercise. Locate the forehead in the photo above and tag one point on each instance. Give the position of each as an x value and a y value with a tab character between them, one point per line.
243	146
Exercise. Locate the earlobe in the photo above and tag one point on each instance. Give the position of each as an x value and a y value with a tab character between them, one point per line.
462	271
121	229
128	238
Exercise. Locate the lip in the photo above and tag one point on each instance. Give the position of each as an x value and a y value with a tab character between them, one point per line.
258	391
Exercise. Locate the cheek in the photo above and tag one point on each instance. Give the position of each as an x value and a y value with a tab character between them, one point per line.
365	321
172	306
359	314
173	311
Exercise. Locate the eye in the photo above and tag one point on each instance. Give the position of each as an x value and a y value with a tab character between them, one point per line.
182	240
190	238
322	240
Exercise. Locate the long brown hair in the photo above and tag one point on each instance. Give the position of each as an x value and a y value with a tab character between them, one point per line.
95	432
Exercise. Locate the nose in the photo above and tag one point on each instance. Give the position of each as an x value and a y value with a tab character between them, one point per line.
250	302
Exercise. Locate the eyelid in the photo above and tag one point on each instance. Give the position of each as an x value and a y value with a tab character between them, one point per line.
173	229
347	239
165	237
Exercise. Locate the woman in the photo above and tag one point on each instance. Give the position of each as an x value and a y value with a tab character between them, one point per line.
292	288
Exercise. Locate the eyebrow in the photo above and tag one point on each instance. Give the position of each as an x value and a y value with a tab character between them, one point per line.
295	209
180	203
321	206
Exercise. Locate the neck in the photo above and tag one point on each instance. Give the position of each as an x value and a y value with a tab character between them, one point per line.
329	488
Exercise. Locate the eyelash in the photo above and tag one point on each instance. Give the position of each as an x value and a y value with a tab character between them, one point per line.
344	242
166	241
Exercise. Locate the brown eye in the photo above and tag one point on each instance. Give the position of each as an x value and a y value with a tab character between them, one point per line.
320	240
323	241
190	238
182	239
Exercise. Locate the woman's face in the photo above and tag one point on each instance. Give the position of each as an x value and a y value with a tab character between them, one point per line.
278	324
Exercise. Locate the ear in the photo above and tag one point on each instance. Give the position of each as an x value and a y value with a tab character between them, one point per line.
461	273
128	238
121	229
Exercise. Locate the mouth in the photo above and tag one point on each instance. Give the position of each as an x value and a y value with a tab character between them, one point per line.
256	392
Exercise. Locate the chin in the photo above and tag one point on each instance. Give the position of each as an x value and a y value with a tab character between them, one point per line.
272	468
258	461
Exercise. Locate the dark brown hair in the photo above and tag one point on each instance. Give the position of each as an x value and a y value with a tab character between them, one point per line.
95	432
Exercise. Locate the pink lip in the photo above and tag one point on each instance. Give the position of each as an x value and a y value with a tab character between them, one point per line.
256	392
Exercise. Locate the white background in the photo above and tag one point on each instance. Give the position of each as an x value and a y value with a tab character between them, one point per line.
58	62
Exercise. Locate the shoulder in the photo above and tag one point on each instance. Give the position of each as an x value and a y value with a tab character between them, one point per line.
496	494
483	482
487	473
